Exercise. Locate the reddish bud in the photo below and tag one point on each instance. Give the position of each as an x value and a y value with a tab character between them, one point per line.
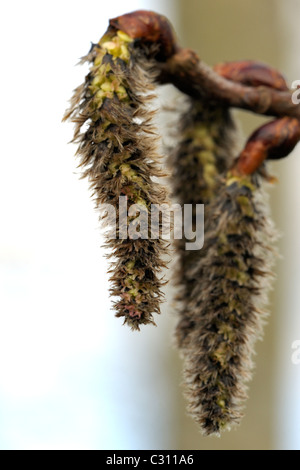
151	29
274	140
252	73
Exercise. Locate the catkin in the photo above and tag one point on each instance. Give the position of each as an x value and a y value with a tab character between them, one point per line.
206	148
234	278
117	150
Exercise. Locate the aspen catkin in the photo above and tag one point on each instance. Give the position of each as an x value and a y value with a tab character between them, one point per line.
206	149
117	150
235	277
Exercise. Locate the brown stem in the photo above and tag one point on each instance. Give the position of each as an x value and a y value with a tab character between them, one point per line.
184	69
273	140
248	85
193	77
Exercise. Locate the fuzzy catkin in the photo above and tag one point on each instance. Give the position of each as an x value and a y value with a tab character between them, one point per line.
117	150
206	148
230	302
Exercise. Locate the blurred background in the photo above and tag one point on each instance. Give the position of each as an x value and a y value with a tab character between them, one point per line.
71	376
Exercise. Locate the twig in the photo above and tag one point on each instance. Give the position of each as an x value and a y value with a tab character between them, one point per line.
183	68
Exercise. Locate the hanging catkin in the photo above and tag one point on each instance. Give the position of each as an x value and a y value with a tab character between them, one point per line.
117	151
235	278
206	148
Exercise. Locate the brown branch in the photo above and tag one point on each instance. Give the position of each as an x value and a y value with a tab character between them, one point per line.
183	68
276	139
246	85
193	77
